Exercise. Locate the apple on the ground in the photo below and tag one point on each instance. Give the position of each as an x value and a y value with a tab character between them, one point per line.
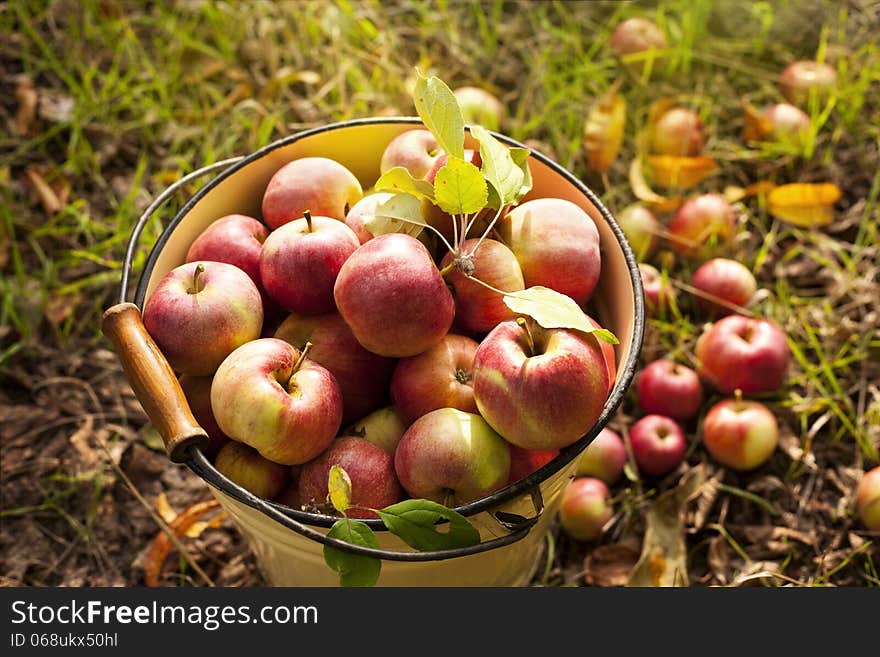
604	458
740	434
585	508
200	312
678	131
868	500
665	387
659	292
723	281
245	466
452	457
788	123
637	35
802	77
269	395
642	230
235	239
658	444
701	226
383	427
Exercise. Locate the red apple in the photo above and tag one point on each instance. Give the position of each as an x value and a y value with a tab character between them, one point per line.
636	35
659	293
289	496
197	390
665	387
801	77
868	500
556	244
245	466
585	509
441	377
610	357
268	395
743	353
603	458
301	261
524	462
200	312
365	210
371	471
678	131
740	434
393	297
480	107
414	150
235	239
702	225
642	229
383	427
477	308
788	122
723	281
452	457
318	184
658	445
363	376
540	388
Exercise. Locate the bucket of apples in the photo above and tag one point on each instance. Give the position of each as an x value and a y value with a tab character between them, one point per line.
383	343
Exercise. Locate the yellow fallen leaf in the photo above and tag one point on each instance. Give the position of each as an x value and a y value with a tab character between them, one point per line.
644	193
804	204
732	193
161	545
603	130
680	172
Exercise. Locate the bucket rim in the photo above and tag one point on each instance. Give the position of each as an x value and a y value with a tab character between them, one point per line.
625	373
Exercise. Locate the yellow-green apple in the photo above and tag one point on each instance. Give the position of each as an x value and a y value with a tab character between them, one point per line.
268	395
868	500
197	390
235	239
363	211
727	285
787	122
658	444
585	508
245	466
320	185
659	293
556	244
383	427
393	297
441	377
363	376
540	388
301	260
740	434
369	467
524	462
800	78
702	225
603	458
678	131
414	150
479	309
642	230
451	457
200	312
668	388
637	35
480	107
744	353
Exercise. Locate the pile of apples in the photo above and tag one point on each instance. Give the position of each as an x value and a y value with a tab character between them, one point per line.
303	340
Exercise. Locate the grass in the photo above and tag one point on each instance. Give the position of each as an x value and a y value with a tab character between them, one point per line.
133	95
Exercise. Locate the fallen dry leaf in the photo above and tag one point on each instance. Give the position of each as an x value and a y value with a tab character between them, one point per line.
26	113
610	565
756	125
48	198
603	130
804	204
672	171
642	190
733	193
161	545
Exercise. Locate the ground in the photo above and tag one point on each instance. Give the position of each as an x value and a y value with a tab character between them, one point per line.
107	102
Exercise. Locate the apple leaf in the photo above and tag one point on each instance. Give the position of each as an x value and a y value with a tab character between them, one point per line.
402	213
399	179
505	178
353	569
521	159
415	521
459	187
339	485
551	309
439	111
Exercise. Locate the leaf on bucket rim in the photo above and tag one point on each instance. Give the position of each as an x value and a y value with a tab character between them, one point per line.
604	129
804	204
642	190
672	171
161	545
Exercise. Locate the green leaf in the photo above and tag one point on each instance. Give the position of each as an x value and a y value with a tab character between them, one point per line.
439	111
415	521
552	309
499	169
353	569
459	187
402	213
339	485
399	179
521	159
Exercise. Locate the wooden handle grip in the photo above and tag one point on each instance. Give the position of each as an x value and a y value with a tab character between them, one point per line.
153	381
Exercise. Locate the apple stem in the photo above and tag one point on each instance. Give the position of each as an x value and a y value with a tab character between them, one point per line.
738	395
199	270
302	357
473	278
529	340
488	228
308	216
448	268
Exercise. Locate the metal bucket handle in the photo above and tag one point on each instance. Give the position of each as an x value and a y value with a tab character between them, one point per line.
159	392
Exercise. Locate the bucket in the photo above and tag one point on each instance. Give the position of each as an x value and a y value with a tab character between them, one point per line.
287	542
